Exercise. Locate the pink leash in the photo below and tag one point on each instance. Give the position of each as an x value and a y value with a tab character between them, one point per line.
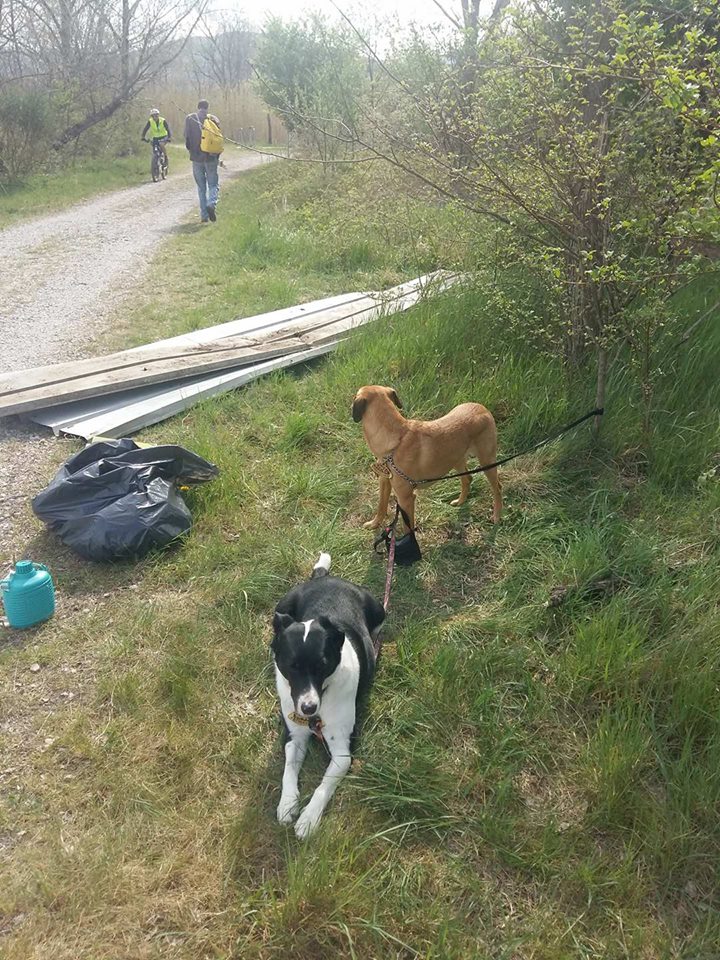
377	643
388	585
391	564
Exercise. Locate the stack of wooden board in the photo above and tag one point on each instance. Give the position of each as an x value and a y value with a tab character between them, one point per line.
117	394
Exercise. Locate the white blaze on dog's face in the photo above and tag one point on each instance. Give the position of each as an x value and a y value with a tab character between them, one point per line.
306	653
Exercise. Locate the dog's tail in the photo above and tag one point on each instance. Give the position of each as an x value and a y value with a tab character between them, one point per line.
322	567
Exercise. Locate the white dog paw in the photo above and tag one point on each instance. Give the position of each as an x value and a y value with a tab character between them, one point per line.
307	823
287	809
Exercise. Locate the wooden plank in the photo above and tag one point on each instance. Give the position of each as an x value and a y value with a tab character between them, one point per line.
33	398
168	361
79	411
62	375
62	383
323	333
142	411
127	362
262	321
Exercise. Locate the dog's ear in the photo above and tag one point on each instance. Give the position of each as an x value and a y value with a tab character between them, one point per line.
281	621
335	636
396	399
358	409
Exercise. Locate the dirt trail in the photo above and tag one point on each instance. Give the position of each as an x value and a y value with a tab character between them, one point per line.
64	276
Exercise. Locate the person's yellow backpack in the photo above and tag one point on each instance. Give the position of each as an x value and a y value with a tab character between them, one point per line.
211	140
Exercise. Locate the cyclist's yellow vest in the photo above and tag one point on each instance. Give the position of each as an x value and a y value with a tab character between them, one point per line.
158	128
211	140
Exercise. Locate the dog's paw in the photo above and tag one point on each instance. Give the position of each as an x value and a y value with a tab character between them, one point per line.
371	524
288	808
307	822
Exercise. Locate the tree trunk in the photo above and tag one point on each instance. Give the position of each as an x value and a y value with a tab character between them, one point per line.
74	131
66	19
578	319
125	45
602	368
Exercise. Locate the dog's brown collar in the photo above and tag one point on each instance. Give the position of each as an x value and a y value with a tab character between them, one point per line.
315	723
296	718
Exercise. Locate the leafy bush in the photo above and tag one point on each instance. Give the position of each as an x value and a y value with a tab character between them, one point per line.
26	122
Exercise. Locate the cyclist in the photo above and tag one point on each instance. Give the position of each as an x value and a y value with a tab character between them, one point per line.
159	130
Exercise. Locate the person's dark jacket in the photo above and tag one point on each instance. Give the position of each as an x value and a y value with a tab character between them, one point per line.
193	133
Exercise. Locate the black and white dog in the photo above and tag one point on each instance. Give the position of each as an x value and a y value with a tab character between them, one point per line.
324	664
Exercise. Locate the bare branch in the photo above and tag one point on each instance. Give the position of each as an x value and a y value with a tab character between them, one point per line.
453	20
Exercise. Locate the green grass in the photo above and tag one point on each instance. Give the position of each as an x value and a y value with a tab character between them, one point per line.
86	178
534	782
271	249
82	179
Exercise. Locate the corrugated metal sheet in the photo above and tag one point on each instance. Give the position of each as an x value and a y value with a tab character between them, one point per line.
123	413
120	415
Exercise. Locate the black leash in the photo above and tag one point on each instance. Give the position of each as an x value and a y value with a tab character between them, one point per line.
598	412
406	551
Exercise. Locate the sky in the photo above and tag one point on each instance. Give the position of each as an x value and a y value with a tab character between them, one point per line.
422	12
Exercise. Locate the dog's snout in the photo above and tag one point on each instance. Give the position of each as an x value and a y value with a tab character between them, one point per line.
308	702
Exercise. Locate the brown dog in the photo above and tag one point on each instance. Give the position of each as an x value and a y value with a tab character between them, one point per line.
421	449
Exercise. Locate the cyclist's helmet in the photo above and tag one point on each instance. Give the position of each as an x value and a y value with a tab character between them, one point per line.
154	112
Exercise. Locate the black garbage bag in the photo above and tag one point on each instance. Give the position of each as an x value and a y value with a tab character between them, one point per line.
117	501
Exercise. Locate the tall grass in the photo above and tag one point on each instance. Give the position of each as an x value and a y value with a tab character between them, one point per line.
534	781
54	189
239	110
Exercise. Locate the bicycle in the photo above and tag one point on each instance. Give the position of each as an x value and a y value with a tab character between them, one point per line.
159	166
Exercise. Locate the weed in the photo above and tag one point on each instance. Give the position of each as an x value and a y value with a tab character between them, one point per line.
533	781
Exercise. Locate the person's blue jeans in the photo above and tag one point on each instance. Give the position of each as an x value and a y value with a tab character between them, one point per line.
208	183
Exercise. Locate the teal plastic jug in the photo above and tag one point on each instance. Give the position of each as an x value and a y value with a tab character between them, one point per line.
28	594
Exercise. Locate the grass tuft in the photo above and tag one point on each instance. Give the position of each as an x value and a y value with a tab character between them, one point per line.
534	780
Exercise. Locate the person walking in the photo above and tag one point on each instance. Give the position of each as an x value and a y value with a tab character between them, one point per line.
204	143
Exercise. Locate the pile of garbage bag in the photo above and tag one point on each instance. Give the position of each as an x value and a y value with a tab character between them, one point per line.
116	500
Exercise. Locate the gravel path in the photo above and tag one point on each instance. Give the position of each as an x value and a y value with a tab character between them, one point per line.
64	276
